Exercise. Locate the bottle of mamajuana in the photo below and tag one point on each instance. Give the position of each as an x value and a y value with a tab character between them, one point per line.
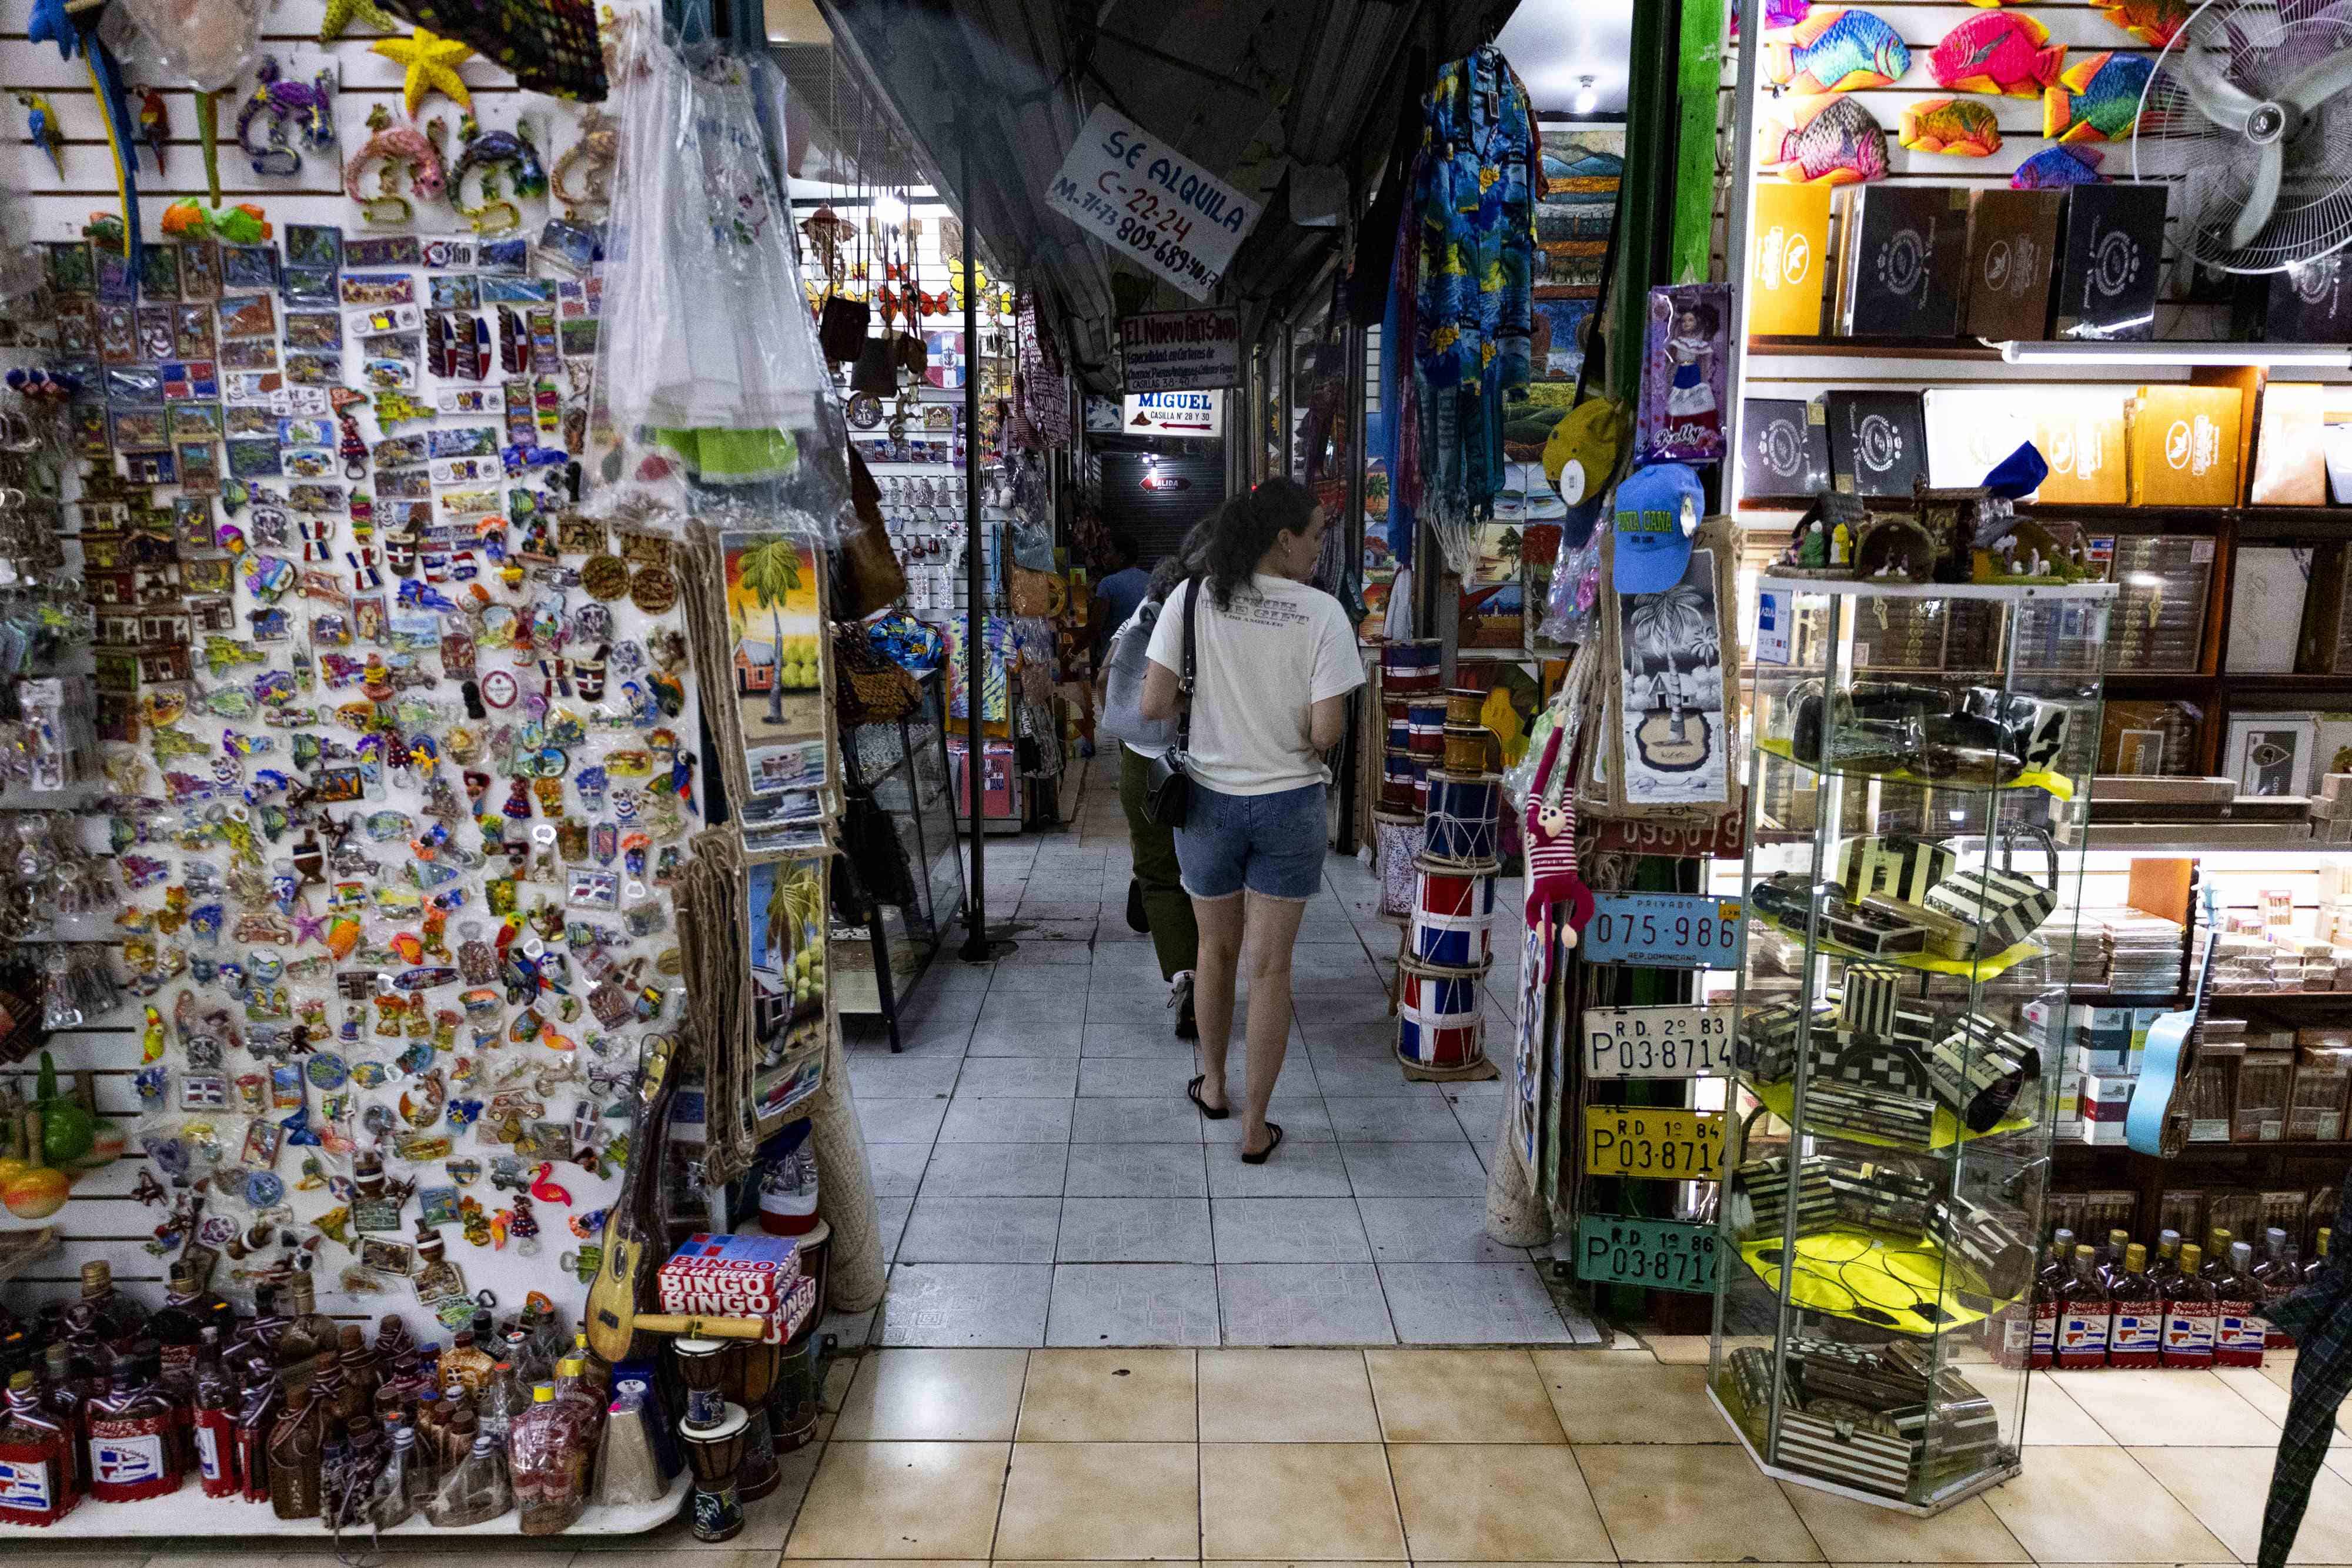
2083	1311
65	1398
297	1446
2280	1276
2318	1264
36	1465
134	1450
2189	1318
2136	1317
213	1423
311	1330
2167	1262
2238	1331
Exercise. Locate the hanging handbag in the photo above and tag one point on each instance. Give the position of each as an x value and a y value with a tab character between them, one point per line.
1167	787
871	575
1550	837
2000	907
1041	593
877	370
841	328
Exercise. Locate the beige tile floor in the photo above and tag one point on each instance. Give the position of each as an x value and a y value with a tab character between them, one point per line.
1284	1457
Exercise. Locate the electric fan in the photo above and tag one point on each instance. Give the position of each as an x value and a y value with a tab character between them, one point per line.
2248	116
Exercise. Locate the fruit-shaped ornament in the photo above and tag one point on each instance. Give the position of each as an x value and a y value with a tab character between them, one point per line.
33	1190
69	1128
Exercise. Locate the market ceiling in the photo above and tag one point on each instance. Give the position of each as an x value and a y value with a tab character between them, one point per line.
1247	89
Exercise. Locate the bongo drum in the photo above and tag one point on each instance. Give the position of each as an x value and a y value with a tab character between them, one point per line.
702	1371
1464	705
1403	780
798	1399
1396	844
1396	716
1463	813
1469	748
1425	731
1453	914
749	1370
1412	664
1438	1022
816	1263
714	1451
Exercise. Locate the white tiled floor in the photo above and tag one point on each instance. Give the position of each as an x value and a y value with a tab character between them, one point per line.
1046	1182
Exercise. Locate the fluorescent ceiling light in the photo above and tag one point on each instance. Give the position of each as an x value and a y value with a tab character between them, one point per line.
1585	97
888	209
2328	356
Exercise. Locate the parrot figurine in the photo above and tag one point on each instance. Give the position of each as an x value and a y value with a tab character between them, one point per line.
154	127
42	129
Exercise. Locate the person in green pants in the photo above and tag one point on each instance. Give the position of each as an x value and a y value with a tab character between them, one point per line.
1157	900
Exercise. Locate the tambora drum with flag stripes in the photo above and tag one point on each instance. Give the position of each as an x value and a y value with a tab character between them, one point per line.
1454	913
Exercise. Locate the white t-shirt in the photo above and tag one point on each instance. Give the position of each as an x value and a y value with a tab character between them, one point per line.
1259	670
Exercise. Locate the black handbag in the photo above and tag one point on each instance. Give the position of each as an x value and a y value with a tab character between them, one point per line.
1167	788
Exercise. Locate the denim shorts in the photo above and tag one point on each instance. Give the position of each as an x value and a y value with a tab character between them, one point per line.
1272	844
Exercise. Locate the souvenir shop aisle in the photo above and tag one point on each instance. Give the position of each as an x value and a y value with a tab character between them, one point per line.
1046	1182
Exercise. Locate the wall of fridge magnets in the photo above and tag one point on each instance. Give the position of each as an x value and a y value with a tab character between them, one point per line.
401	747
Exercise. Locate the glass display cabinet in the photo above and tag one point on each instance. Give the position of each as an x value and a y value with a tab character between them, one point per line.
1918	755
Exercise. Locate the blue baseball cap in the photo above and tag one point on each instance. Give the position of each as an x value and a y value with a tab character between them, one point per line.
1651	549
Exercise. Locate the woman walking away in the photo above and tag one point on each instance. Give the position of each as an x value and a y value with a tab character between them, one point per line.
1157	889
1274	661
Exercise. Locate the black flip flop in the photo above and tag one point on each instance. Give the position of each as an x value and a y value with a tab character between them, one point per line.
1260	1157
1193	1093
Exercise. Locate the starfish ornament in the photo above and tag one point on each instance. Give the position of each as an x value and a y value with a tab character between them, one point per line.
431	62
341	14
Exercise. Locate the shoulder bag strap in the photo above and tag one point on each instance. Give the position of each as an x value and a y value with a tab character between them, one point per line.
1185	714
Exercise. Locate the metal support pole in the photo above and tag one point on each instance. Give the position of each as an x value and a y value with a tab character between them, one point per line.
975	764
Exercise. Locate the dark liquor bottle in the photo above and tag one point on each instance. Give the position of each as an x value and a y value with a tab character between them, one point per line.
296	1446
37	1462
2136	1316
2280	1275
2111	1257
2037	1325
2238	1333
2318	1264
309	1333
212	1426
2083	1311
263	1402
64	1395
2217	1257
2167	1262
134	1451
175	1327
2189	1316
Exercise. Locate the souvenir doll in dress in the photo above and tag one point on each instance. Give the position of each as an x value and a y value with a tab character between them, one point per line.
1683	374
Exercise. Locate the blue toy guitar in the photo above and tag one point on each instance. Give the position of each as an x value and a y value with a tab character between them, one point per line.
2153	1125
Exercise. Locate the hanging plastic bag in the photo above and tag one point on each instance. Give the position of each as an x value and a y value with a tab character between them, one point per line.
713	398
1575	589
208	43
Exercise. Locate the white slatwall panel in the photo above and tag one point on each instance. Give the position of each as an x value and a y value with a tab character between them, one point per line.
102	1220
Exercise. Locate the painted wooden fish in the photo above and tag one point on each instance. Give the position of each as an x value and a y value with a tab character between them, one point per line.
2152	22
1836	50
2000	53
2054	168
1962	127
1831	139
2097	99
1777	14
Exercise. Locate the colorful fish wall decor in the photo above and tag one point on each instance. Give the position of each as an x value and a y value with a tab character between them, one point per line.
2152	22
2055	168
1829	138
1835	51
1957	126
2097	99
2000	53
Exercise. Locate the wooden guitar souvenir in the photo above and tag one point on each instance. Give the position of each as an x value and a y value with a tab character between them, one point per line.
2153	1125
630	1243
